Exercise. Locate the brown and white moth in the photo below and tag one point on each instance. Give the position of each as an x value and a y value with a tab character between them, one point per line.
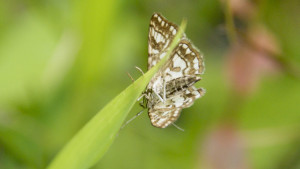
172	88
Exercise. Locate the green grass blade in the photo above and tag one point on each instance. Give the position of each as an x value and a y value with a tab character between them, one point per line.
94	139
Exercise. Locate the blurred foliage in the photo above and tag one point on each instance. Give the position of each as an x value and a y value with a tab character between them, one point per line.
62	61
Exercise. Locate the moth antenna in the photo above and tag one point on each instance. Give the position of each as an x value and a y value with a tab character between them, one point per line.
128	121
130	77
181	129
139	69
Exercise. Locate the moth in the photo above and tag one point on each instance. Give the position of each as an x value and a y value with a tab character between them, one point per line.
172	88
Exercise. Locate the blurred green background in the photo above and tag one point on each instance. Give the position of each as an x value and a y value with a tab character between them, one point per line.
62	61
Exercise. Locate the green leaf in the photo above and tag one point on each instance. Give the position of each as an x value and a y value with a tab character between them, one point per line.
93	140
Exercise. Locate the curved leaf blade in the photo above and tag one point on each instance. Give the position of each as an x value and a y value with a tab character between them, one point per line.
94	139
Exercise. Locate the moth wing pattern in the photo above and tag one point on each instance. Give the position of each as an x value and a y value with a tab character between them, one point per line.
165	113
185	60
181	83
162	119
181	99
161	34
192	94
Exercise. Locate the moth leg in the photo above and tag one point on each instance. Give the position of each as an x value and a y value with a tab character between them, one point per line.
127	122
130	77
181	129
139	69
158	96
143	95
164	91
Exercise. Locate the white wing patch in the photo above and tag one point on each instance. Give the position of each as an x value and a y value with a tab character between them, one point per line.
163	54
196	64
158	37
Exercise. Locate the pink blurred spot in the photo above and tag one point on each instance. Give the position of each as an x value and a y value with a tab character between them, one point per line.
252	59
223	148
